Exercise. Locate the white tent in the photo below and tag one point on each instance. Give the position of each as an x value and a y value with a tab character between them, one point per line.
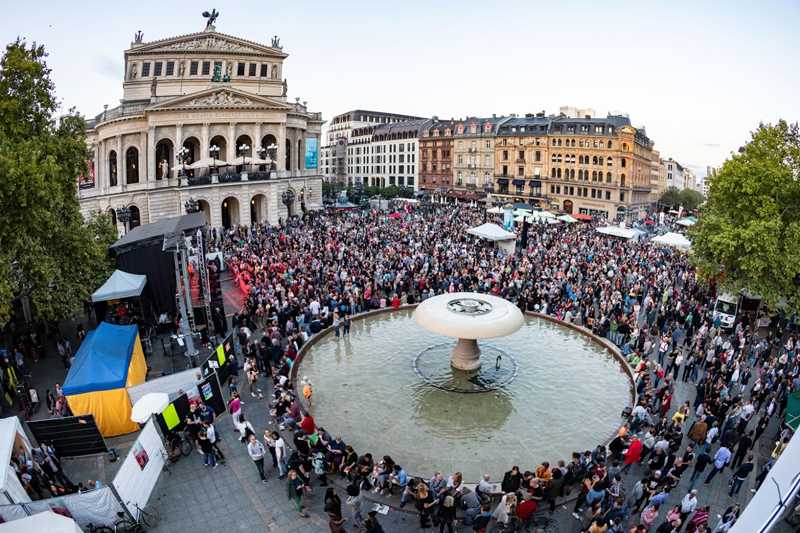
120	285
495	210
616	231
47	521
569	219
12	436
676	240
491	232
543	214
151	403
686	222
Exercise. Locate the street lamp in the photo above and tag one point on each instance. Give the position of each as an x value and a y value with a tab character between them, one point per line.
243	149
181	156
287	197
192	206
214	151
124	216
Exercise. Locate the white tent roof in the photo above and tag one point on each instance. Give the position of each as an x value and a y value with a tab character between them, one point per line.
120	285
11	436
676	240
616	231
688	221
569	219
495	210
491	232
46	521
248	160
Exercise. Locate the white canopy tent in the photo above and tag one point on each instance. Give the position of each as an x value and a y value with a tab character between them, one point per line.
675	240
12	436
47	521
497	210
505	240
686	222
120	285
616	231
569	219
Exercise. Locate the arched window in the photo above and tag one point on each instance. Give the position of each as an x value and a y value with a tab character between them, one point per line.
288	164
622	180
622	162
274	72
609	145
558	173
132	165
594	175
624	147
572	174
609	161
113	215
608	177
135	217
553	172
112	168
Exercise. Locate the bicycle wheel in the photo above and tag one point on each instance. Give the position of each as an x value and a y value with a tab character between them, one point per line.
127	526
100	529
149	517
186	448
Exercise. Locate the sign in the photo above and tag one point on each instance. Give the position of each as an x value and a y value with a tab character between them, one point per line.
221	354
86	181
311	152
170	415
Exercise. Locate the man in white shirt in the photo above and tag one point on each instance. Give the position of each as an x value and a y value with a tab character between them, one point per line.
280	454
688	504
256	452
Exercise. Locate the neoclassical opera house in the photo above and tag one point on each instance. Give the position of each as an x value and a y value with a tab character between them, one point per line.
204	121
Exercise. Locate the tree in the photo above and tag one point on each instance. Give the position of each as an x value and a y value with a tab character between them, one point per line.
748	235
690	199
48	253
671	198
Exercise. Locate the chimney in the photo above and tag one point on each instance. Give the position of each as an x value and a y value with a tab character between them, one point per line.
494	115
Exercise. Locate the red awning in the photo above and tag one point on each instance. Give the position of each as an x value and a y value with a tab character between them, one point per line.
581	216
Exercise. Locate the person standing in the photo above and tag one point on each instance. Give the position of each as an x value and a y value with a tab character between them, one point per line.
740	475
721	459
295	488
280	454
703	459
688	505
207	448
256	452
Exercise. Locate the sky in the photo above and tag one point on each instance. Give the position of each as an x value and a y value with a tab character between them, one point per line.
699	76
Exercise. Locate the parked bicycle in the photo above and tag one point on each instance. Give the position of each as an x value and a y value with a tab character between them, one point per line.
179	444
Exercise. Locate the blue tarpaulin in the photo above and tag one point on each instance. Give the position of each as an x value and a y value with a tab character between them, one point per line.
102	360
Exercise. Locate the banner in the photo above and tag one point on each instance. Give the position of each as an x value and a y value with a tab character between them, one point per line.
86	181
98	507
311	152
137	477
793	411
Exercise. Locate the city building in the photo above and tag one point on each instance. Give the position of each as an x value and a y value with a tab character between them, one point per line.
578	164
473	153
435	156
204	117
674	173
658	178
394	154
345	155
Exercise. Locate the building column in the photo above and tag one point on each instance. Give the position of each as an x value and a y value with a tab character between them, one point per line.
256	139
178	146
152	164
101	157
121	177
96	161
144	158
232	148
203	142
280	140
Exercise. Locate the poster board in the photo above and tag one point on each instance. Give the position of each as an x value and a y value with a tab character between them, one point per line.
137	477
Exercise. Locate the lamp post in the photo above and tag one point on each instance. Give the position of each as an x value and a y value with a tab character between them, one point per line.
243	149
261	151
272	152
214	151
181	156
124	216
192	206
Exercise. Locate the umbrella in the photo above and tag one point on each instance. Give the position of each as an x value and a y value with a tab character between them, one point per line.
150	404
248	160
207	162
521	212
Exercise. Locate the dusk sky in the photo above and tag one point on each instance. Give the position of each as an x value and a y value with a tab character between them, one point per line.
698	75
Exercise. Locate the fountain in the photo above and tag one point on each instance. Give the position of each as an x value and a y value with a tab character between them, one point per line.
468	316
465	382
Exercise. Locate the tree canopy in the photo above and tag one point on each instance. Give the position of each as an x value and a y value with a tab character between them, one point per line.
748	236
674	198
48	252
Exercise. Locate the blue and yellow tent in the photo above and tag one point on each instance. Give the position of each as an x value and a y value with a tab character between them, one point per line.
108	361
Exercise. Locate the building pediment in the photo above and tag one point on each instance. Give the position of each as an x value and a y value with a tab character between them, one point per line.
221	97
205	42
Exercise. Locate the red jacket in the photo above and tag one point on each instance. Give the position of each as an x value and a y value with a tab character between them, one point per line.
634	453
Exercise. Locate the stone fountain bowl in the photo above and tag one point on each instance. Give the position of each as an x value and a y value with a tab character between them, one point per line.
469	315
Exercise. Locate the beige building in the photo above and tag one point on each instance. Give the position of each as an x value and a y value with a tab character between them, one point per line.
204	116
473	152
581	165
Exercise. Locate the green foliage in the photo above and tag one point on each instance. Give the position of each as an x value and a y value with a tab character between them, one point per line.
690	199
748	235
47	251
674	198
671	198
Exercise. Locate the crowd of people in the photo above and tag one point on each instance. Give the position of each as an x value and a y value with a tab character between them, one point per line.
308	275
321	271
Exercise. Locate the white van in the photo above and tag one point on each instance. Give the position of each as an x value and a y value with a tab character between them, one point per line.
726	308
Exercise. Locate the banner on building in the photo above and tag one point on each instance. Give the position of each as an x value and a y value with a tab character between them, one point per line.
86	180
312	151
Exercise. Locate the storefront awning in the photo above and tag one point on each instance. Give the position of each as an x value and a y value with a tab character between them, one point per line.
518	183
502	181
